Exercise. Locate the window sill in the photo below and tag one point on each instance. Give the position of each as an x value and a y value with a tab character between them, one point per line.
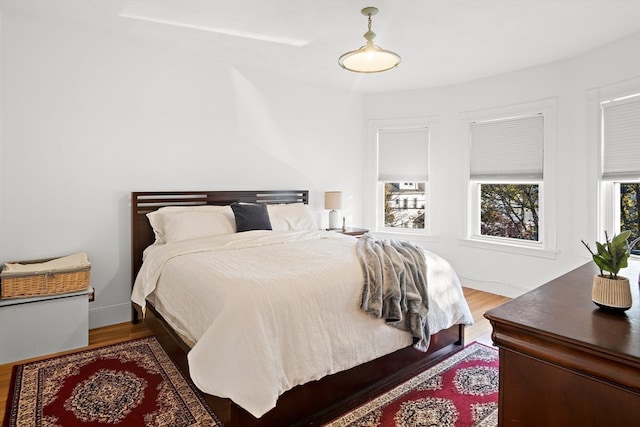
417	236
512	249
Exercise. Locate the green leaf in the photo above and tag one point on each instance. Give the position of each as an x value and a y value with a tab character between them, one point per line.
601	263
620	240
603	251
624	263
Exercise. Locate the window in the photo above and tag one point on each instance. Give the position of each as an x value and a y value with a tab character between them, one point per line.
511	178
402	175
620	165
507	169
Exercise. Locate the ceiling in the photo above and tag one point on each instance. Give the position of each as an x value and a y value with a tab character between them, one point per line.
441	42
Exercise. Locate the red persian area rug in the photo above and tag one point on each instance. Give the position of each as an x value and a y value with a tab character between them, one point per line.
462	390
128	384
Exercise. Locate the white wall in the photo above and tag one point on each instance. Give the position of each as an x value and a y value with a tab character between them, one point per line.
89	116
568	81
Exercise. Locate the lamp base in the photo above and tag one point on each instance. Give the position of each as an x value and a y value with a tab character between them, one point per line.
334	219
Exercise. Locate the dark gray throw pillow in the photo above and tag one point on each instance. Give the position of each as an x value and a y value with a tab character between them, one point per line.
251	216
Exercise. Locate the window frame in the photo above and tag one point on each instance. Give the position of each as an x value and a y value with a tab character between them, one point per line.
545	247
476	213
374	196
607	192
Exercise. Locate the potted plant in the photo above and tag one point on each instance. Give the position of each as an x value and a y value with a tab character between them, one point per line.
611	291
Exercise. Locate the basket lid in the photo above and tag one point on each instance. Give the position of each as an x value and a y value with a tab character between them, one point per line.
69	262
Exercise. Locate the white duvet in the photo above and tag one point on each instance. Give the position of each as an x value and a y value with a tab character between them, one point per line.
271	310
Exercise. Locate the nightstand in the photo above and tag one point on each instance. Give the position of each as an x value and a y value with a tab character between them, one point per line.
351	231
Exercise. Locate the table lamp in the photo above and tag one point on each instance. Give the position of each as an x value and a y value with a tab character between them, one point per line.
333	201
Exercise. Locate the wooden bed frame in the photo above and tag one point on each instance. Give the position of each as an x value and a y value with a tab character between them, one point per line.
306	405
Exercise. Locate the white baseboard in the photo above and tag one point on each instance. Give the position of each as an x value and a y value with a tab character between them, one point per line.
492	286
110	315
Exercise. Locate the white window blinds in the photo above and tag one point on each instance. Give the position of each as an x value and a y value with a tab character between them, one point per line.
508	148
621	138
403	155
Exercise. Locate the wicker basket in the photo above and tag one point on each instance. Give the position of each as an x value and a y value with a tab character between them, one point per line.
44	282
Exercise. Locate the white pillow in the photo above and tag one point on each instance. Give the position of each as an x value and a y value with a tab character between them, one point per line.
291	217
192	225
174	223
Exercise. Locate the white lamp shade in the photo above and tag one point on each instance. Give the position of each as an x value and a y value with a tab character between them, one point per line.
369	59
333	200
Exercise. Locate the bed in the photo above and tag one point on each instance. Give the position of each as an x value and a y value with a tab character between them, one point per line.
313	381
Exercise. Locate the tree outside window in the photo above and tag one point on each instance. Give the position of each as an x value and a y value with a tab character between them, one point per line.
510	211
630	211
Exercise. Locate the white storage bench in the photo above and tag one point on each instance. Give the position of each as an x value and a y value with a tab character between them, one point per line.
37	326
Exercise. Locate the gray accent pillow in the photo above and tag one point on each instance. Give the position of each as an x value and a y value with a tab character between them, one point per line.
251	216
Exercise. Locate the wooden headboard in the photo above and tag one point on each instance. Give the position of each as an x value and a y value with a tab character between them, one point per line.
143	202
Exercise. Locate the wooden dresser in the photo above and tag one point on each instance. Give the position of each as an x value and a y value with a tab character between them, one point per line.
565	362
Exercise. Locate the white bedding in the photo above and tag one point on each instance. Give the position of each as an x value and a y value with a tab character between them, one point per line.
270	310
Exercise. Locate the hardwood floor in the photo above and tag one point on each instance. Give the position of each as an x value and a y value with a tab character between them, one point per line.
479	302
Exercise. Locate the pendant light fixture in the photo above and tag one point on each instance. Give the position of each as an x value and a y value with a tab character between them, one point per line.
370	58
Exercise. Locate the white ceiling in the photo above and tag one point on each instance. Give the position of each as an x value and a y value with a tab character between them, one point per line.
440	42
